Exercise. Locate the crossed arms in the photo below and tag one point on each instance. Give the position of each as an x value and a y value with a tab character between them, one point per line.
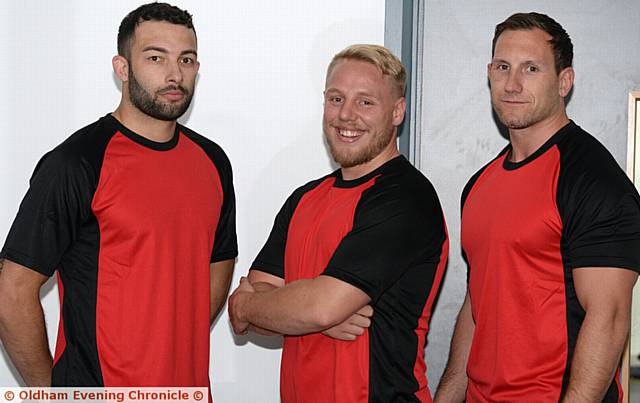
324	304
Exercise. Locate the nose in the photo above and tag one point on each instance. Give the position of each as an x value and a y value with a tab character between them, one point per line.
346	112
514	81
174	73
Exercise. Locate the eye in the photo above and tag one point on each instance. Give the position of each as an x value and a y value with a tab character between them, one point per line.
532	69
365	102
335	99
154	58
501	66
187	60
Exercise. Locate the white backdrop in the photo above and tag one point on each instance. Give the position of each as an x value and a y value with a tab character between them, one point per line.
259	95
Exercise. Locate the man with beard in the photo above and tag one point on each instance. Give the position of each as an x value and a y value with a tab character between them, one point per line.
137	215
369	235
551	233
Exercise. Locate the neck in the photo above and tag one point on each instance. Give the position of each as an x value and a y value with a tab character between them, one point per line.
379	160
146	126
525	142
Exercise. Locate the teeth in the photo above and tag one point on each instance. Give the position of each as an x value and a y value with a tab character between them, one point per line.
349	133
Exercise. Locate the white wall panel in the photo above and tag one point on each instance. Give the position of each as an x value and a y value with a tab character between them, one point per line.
259	95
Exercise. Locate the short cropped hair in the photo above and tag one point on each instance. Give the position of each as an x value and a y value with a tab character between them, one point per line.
380	57
560	41
149	12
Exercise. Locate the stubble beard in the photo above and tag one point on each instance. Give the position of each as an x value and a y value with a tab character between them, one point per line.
351	159
152	106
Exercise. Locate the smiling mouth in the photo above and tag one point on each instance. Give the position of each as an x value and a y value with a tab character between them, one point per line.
349	135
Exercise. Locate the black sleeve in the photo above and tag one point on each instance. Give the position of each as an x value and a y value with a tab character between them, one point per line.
52	211
600	211
226	241
392	231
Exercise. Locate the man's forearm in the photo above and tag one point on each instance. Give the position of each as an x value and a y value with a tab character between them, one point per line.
453	384
597	355
300	307
287	311
24	336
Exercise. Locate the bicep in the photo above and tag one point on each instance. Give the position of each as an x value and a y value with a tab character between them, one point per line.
604	288
343	298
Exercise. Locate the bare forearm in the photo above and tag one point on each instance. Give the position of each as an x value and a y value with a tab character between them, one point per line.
288	311
596	357
453	384
23	334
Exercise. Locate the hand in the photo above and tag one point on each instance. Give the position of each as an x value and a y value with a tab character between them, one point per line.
236	303
353	326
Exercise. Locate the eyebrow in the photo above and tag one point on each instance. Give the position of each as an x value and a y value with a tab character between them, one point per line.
529	61
163	50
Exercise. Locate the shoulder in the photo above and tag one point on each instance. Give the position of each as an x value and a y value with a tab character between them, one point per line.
399	191
83	151
585	164
212	149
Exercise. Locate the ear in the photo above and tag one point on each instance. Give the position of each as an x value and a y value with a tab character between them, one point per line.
565	79
399	110
121	67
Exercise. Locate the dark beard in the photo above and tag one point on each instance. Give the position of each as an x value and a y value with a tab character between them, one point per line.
150	105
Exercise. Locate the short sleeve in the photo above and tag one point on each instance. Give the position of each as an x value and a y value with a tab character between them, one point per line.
393	230
226	242
600	211
51	213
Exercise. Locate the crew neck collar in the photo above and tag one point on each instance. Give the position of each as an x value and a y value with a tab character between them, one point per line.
154	145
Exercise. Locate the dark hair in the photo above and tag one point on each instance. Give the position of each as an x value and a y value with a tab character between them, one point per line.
149	12
560	41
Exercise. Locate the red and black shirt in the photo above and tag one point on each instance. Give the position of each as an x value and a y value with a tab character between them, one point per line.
385	234
525	227
131	226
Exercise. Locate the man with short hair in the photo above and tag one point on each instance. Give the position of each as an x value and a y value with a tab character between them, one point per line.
551	234
137	215
371	233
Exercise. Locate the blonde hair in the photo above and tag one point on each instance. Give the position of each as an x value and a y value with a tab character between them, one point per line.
380	57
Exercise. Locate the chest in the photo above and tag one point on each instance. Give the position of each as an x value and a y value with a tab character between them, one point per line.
514	210
323	217
144	190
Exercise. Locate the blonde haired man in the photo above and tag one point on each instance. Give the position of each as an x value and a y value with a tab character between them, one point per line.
369	235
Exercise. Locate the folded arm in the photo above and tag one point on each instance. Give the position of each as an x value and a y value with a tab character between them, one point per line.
300	307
